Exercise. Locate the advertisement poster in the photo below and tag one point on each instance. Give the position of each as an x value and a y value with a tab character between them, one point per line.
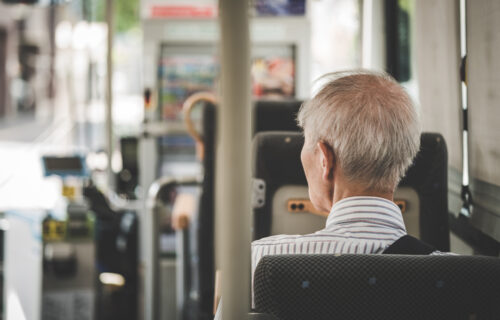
182	74
279	7
273	72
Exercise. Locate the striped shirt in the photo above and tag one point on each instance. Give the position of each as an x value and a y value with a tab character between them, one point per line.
359	225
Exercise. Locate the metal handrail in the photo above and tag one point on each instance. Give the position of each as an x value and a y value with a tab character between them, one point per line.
154	205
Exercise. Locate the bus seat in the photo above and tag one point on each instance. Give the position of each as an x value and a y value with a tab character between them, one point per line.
281	204
428	178
271	115
278	174
377	287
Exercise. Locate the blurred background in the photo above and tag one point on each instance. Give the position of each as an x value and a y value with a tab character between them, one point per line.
91	99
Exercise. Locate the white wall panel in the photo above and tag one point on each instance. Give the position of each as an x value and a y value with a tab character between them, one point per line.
483	37
436	47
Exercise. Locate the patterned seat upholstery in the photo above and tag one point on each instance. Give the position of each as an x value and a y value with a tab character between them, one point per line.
378	287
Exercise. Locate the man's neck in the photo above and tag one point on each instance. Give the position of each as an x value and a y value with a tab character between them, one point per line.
345	191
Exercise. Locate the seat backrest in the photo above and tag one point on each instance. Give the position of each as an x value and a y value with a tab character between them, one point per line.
278	173
206	241
428	177
422	194
199	261
378	287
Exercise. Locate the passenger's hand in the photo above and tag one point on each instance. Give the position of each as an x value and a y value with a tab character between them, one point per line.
183	210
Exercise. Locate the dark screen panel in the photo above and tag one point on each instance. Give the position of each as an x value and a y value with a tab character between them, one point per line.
63	163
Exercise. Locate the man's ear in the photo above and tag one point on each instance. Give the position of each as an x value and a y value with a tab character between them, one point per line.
327	158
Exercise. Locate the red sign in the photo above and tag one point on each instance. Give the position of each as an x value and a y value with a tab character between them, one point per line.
182	12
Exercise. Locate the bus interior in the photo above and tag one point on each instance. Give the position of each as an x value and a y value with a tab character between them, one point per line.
144	144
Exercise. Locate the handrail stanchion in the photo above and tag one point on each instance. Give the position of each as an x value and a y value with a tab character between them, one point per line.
233	173
109	90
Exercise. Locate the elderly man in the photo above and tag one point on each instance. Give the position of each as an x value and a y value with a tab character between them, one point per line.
361	134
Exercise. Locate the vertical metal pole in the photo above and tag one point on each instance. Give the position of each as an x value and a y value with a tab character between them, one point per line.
109	90
233	160
52	50
373	55
366	37
463	53
152	278
466	195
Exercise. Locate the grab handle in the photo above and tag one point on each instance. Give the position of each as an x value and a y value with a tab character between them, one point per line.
187	107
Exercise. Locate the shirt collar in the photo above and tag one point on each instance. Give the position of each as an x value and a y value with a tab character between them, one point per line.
367	210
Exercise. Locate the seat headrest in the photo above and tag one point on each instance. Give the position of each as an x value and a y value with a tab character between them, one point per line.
277	157
276	115
431	163
378	287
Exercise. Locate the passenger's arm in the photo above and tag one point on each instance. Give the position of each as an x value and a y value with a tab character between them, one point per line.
257	253
218	313
217	291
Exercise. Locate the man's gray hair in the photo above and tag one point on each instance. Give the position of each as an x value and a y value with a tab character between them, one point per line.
371	124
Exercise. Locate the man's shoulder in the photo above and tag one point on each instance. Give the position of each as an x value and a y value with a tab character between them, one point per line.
440	253
276	239
321	235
